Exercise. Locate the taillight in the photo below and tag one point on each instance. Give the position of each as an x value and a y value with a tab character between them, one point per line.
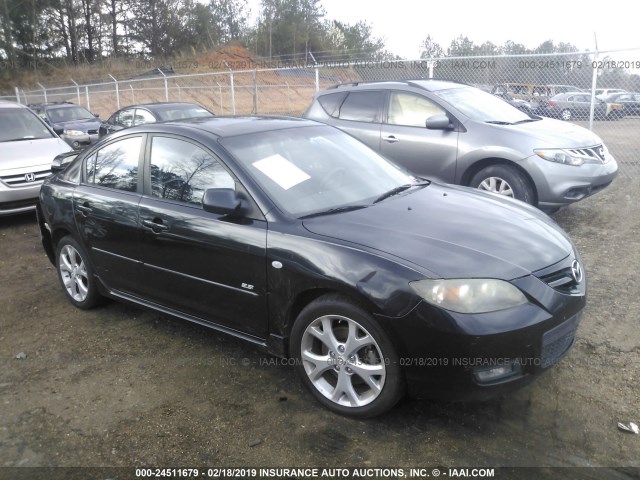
551	104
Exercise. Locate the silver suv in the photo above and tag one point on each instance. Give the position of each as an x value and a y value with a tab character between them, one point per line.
27	148
458	134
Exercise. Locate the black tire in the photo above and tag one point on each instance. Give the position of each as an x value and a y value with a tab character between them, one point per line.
518	184
341	364
76	274
566	114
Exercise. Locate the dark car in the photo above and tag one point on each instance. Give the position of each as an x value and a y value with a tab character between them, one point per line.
523	105
267	230
630	101
569	106
75	124
151	113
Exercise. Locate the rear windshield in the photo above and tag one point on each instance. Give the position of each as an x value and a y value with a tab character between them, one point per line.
181	112
21	124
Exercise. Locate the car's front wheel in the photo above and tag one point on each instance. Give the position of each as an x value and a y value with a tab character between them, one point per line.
75	274
345	359
566	114
504	180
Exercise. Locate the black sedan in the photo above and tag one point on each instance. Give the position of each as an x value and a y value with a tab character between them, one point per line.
299	239
75	124
630	101
151	113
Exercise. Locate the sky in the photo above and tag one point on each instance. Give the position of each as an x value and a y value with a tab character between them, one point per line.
404	24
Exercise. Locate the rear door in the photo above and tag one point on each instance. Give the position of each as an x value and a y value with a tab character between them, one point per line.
105	205
360	115
406	140
206	265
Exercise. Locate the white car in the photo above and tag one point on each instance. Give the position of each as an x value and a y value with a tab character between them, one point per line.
27	148
606	91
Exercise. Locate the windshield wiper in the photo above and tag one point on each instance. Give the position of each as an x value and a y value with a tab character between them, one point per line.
498	122
400	189
345	208
527	120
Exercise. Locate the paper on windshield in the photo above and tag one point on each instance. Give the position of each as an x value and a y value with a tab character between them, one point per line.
281	171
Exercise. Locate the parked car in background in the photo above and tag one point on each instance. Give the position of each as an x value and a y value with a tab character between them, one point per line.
607	91
569	106
454	133
151	113
526	107
27	147
267	229
630	101
75	124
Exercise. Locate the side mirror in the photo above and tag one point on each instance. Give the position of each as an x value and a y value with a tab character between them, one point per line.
97	115
223	201
59	130
439	122
60	162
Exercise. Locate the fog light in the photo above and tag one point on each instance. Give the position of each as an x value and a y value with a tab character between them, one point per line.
499	372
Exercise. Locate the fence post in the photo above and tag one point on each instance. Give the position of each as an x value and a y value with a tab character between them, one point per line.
86	92
77	89
220	92
133	95
44	90
594	80
233	92
166	87
255	92
117	91
179	92
317	80
17	94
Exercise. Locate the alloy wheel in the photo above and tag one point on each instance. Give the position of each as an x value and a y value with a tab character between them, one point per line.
496	185
73	273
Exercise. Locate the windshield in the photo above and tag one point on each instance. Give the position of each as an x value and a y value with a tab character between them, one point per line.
180	112
68	114
482	106
21	124
315	169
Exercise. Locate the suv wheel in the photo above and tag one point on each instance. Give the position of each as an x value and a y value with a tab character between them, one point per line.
504	180
345	359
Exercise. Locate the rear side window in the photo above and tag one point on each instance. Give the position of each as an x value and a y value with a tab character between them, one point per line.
182	171
331	103
116	165
362	106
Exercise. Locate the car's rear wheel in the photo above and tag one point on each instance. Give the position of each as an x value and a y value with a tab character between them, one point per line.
566	114
345	359
76	274
504	180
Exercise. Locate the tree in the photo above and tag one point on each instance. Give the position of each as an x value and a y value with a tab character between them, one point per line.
431	49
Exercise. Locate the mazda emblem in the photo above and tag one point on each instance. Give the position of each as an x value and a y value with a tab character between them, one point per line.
576	271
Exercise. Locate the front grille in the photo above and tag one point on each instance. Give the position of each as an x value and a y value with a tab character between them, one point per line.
562	281
92	132
558	341
596	153
21	179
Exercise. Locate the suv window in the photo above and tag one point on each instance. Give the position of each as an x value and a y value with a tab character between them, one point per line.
411	110
331	103
143	116
116	165
124	118
362	106
182	171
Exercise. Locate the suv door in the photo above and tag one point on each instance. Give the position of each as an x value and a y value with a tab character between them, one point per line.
202	264
406	140
105	206
360	114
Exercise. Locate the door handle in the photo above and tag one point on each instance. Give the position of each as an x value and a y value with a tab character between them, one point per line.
391	139
156	225
85	209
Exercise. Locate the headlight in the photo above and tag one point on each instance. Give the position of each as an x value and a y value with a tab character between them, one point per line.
73	133
558	155
470	295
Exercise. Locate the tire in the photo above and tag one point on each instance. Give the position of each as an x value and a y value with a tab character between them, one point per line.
504	180
566	114
76	274
345	359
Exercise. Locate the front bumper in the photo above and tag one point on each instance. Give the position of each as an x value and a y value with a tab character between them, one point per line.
452	356
79	142
15	200
559	185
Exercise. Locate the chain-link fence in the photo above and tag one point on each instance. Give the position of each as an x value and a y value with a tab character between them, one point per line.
596	89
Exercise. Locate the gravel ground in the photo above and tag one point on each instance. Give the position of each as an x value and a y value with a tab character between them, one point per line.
119	387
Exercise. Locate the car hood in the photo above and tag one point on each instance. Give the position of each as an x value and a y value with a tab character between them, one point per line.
453	232
82	125
27	155
554	133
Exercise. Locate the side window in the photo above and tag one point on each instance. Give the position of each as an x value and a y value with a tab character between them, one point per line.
411	110
116	165
143	116
331	103
125	118
362	106
182	171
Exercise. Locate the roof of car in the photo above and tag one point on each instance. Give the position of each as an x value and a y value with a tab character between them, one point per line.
424	84
230	126
160	104
5	104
